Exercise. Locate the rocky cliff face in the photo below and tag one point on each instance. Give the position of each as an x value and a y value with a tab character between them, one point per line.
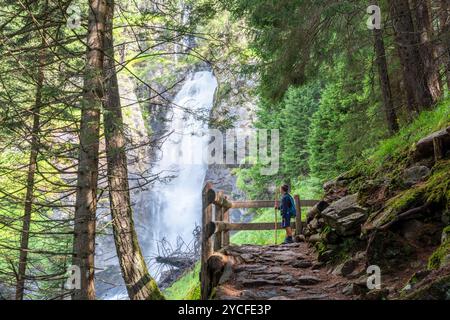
234	108
396	220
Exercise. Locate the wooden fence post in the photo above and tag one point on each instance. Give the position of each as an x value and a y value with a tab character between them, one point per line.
298	218
226	234
207	249
218	217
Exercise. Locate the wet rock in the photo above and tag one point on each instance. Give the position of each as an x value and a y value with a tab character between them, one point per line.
415	174
345	215
300	238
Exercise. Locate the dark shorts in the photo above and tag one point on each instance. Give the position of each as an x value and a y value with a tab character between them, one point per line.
286	221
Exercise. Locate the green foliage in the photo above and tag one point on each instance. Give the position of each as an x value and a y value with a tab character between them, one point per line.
185	288
441	255
389	157
339	130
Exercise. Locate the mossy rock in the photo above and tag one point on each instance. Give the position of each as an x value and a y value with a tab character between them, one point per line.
435	192
437	289
441	256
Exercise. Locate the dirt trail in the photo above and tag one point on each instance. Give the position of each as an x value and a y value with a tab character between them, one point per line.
282	272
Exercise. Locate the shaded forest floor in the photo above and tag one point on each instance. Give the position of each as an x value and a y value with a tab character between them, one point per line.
281	272
293	272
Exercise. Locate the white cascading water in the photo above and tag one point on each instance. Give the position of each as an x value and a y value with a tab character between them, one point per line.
175	206
169	208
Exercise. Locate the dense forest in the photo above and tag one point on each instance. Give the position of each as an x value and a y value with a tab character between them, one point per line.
87	88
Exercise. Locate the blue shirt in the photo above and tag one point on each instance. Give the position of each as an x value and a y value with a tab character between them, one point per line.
285	204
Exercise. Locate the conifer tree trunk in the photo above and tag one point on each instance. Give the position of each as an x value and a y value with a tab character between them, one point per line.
29	196
407	41
86	198
426	48
445	37
385	85
140	285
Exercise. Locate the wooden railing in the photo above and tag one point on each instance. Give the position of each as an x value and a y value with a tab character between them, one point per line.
216	225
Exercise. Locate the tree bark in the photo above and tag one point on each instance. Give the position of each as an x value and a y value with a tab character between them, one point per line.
29	197
407	41
86	198
385	85
427	49
140	285
444	18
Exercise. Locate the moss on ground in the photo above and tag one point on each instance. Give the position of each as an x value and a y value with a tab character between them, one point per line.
440	255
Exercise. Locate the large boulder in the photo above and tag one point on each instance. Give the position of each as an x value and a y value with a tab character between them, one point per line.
345	215
426	147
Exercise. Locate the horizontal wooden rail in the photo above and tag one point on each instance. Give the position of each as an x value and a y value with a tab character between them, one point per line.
217	227
267	204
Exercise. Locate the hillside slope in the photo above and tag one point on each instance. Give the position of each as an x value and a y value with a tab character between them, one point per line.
389	213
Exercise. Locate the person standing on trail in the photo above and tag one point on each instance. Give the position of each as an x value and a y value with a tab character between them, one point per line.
288	211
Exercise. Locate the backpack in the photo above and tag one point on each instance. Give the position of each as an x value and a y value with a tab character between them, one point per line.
291	209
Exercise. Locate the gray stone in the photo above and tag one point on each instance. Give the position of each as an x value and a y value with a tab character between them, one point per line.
247	257
280	298
314	224
415	174
259	282
348	290
348	267
317	265
345	215
326	256
308	280
227	272
302	264
314	238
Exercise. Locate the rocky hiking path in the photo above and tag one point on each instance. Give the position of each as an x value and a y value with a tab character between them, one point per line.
281	272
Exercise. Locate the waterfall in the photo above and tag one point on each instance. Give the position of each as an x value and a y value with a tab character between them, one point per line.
175	206
171	207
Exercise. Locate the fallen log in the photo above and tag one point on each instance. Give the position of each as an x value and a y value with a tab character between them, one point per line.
177	262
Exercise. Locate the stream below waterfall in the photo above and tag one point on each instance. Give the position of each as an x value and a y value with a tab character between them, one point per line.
170	209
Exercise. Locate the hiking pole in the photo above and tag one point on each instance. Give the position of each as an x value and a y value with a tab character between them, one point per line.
276	220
